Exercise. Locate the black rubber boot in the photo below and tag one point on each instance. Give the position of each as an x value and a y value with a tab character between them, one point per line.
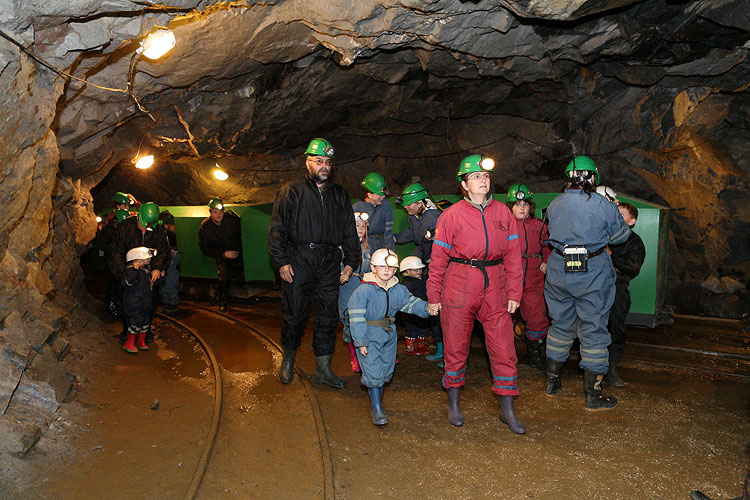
376	406
553	370
592	386
324	374
286	372
535	353
455	417
508	416
613	376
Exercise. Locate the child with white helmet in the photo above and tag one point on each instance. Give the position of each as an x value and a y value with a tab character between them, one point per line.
417	328
372	308
347	287
137	296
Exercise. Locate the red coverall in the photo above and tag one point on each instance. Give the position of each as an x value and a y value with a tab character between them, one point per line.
465	231
533	236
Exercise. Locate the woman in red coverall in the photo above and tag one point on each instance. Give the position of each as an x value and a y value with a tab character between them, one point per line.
535	251
475	272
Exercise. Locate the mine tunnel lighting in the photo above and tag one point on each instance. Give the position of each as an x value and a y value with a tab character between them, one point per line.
487	164
98	219
220	174
157	43
144	162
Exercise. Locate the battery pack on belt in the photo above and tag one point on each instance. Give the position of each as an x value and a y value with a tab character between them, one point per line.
480	264
576	258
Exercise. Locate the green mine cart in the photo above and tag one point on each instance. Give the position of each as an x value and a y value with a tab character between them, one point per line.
647	290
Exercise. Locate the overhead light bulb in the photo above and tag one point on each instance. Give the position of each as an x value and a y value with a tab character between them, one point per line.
487	163
220	174
157	43
144	162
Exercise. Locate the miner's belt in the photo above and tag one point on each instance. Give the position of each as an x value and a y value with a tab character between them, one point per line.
589	254
316	246
384	323
480	264
537	255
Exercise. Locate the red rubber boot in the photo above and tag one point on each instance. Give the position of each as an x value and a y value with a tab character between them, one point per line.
410	346
353	354
140	342
129	345
421	349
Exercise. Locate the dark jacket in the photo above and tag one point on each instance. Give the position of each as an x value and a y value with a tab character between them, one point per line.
628	257
136	296
129	236
415	231
214	239
303	214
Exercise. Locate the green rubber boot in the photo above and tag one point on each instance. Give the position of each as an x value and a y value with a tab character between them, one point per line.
324	374
438	356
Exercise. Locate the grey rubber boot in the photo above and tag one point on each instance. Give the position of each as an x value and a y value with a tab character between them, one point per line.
376	406
286	371
592	386
508	416
553	371
324	374
455	417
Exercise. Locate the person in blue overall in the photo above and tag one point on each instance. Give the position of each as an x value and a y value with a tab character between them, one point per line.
347	287
372	308
580	286
379	212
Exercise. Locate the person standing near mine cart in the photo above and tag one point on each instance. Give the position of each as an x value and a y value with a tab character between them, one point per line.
139	231
627	258
422	217
580	285
379	212
220	237
312	217
475	273
535	251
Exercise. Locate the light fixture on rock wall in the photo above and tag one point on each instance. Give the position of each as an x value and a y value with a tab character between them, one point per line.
152	46
220	174
144	162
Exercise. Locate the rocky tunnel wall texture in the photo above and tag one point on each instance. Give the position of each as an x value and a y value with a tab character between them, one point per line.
655	91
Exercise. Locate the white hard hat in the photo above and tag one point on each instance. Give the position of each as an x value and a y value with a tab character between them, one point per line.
384	257
140	253
607	192
411	262
361	217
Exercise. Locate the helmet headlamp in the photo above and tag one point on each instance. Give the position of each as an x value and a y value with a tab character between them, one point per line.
391	261
487	164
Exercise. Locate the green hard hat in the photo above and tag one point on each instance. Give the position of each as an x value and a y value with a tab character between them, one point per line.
319	147
413	192
148	214
120	197
121	214
216	203
375	183
518	192
581	164
474	163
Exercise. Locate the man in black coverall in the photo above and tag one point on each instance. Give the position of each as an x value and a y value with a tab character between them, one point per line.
627	258
311	218
220	237
139	231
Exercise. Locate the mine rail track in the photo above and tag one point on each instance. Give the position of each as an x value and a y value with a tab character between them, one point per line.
249	330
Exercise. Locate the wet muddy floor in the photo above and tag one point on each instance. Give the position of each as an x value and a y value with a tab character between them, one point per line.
673	431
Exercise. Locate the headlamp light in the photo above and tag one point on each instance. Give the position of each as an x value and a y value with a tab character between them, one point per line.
219	206
487	164
364	216
328	151
391	261
520	195
428	235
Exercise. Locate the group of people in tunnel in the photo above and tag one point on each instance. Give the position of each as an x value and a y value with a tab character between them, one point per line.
478	259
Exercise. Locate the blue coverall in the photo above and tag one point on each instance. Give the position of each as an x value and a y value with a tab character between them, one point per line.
347	289
370	302
579	302
379	225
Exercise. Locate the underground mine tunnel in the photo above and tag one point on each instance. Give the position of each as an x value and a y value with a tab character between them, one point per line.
655	92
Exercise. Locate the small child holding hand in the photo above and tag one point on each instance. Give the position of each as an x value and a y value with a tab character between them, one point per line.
137	297
372	308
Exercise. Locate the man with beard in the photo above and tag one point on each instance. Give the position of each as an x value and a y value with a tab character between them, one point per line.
312	217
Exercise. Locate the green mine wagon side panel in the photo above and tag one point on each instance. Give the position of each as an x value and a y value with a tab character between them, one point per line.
255	222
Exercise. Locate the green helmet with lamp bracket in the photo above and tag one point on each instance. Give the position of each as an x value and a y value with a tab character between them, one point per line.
375	183
148	215
319	147
474	163
519	192
121	198
581	169
121	214
215	203
412	193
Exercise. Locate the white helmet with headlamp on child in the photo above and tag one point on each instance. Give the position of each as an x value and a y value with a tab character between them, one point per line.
384	257
139	253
